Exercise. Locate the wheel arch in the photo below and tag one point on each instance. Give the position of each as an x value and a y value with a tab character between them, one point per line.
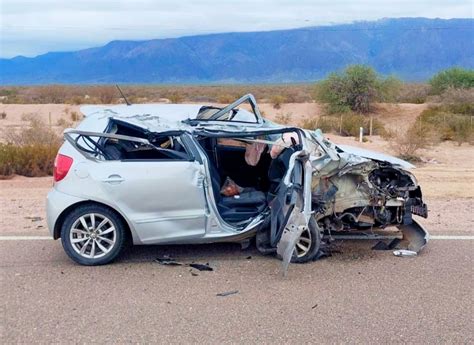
60	220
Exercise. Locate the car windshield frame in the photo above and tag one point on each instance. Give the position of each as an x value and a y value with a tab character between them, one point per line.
217	116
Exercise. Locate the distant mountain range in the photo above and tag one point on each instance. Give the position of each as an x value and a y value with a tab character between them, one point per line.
409	48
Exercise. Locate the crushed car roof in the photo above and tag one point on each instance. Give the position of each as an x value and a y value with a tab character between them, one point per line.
188	117
170	112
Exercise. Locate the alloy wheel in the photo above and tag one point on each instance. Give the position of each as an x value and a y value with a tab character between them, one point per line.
93	235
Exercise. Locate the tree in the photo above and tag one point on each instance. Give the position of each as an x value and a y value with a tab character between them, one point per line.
355	89
457	78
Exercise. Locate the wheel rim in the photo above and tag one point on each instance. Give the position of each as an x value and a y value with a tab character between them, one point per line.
303	245
93	236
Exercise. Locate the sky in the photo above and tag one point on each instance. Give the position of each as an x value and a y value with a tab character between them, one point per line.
33	27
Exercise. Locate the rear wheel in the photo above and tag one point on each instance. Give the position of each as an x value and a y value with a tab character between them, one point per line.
308	244
93	235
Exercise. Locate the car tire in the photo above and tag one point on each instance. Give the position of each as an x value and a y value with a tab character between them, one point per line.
312	237
93	235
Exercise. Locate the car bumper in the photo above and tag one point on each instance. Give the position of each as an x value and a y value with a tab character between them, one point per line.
56	203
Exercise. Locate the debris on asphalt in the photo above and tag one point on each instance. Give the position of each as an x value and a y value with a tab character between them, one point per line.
34	219
201	267
248	257
168	261
314	306
227	293
194	274
405	252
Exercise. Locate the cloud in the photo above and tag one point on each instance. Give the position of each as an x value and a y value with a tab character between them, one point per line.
33	27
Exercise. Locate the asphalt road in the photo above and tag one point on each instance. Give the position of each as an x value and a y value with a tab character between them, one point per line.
357	296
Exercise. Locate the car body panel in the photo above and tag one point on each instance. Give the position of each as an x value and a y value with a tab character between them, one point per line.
376	155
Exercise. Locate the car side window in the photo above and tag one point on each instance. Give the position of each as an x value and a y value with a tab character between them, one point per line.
161	148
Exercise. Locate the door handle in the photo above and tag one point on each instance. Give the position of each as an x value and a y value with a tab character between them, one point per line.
113	179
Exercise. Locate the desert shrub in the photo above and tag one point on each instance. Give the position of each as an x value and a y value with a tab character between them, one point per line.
413	93
63	123
451	121
3	115
51	94
76	100
175	97
346	124
79	94
456	96
6	92
283	119
356	88
75	116
106	94
226	98
29	160
277	101
29	151
407	144
457	78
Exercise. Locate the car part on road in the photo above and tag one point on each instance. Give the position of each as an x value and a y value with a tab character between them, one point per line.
201	267
405	253
415	237
227	293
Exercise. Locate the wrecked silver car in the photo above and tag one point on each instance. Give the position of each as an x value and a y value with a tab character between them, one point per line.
177	174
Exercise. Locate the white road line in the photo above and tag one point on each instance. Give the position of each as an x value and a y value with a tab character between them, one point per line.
451	237
385	237
342	237
24	238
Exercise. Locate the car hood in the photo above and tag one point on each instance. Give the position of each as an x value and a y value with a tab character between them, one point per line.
376	156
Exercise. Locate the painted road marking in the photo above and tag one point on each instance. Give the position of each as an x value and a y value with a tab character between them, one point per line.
451	237
24	238
341	237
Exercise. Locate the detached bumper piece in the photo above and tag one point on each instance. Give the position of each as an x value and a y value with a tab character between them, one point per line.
415	238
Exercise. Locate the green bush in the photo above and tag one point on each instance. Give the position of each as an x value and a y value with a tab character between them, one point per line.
457	78
356	88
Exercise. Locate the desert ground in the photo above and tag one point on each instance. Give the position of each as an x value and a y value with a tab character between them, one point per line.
356	296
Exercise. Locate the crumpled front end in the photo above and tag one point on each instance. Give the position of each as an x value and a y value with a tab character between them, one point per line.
364	194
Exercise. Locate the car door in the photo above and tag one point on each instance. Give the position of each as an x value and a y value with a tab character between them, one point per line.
163	199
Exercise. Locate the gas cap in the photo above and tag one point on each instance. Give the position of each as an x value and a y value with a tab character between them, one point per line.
81	170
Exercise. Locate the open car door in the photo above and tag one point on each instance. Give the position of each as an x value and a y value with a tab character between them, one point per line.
291	208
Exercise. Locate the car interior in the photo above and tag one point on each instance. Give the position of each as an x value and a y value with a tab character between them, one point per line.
256	184
166	147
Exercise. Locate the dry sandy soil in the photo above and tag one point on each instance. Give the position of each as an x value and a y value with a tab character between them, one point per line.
447	176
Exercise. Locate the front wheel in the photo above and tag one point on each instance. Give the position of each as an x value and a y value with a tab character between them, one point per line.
93	235
307	246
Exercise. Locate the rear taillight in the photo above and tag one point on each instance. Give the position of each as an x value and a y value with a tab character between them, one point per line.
62	164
